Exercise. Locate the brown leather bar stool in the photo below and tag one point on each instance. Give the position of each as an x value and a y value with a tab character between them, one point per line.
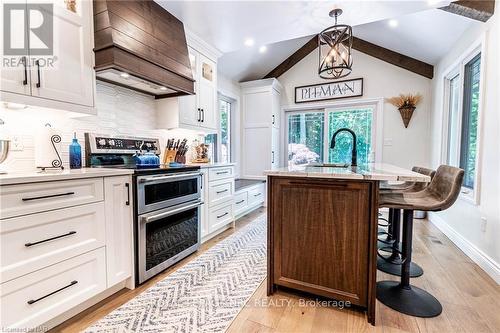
441	193
391	264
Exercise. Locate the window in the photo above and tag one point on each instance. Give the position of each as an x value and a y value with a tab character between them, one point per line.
225	129
309	134
463	93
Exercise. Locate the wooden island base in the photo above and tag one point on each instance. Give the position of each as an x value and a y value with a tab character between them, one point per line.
322	237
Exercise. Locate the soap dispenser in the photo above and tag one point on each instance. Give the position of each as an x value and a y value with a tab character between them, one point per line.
75	154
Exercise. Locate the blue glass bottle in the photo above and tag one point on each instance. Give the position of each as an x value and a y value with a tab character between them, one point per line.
75	154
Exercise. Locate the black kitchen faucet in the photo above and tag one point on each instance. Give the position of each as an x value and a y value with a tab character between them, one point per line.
354	159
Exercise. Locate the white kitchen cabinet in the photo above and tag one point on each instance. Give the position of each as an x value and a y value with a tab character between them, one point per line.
261	127
199	111
249	198
64	80
218	198
119	223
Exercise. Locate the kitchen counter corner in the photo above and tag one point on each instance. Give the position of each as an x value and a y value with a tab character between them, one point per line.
55	175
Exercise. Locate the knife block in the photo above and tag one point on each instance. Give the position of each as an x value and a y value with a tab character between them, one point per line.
169	156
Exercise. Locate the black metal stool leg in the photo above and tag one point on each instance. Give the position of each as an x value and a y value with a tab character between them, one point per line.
392	264
387	241
401	296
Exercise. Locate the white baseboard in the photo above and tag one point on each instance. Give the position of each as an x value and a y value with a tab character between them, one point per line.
490	266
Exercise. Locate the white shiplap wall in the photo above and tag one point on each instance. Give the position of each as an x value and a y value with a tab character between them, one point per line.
120	111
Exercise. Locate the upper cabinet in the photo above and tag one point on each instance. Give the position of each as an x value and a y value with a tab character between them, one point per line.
56	71
199	111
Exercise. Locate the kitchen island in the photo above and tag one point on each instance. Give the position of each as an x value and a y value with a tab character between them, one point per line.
322	230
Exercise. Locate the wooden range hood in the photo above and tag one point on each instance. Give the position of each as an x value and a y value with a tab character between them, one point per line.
144	41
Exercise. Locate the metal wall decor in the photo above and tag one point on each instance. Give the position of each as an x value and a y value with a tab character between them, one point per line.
335	49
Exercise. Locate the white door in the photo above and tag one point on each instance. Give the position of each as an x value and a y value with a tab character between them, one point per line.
188	105
15	77
119	242
257	152
207	92
71	78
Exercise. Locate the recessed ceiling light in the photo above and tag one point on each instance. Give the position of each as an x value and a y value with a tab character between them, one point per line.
125	75
163	88
393	23
263	49
249	42
433	2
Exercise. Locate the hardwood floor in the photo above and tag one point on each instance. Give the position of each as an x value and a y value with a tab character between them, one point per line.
470	298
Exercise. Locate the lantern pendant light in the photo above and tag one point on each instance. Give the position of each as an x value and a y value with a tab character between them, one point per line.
335	49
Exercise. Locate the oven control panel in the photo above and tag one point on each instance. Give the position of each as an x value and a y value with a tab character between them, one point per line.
108	144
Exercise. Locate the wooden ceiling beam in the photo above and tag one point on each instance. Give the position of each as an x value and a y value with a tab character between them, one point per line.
392	57
474	9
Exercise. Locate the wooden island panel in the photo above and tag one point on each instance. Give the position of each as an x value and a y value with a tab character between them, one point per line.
322	235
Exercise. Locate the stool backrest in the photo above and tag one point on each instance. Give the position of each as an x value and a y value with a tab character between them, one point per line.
446	185
424	171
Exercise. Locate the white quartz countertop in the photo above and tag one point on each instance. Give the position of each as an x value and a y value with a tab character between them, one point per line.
54	175
375	171
212	165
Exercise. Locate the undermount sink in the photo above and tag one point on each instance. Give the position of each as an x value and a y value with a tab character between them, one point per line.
329	165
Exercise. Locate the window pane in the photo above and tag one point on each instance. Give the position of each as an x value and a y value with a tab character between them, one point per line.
453	123
225	121
305	137
468	145
358	120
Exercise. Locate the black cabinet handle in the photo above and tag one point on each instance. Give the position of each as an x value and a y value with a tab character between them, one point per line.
202	115
72	283
219	216
25	81
39	83
256	195
48	196
273	119
273	157
222	172
199	115
241	201
49	239
219	192
127	185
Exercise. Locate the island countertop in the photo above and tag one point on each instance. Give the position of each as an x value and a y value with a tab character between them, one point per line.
374	171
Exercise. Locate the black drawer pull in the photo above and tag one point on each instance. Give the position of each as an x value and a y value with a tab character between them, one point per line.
32	301
39	83
256	195
49	239
25	81
222	172
127	185
241	201
219	192
48	196
219	216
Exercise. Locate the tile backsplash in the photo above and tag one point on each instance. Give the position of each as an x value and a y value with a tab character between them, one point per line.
120	111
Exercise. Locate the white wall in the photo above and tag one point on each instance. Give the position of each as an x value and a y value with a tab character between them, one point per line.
232	89
410	146
119	111
462	222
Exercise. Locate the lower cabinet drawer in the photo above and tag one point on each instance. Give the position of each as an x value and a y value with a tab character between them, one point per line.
33	299
23	199
220	216
220	173
256	195
221	191
240	202
31	242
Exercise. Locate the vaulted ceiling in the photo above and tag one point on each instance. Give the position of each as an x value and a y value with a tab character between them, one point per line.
422	32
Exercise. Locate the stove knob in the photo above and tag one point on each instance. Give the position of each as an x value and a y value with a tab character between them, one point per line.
101	142
111	142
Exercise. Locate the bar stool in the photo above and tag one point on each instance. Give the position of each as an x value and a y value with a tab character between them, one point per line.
391	264
441	193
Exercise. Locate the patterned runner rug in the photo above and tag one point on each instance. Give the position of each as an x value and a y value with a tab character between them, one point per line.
204	295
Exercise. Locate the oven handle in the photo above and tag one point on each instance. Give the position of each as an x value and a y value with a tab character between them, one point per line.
182	175
147	219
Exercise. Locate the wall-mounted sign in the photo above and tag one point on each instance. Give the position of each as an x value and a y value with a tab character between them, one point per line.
331	90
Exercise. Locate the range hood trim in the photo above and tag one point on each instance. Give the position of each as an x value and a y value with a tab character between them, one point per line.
112	53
